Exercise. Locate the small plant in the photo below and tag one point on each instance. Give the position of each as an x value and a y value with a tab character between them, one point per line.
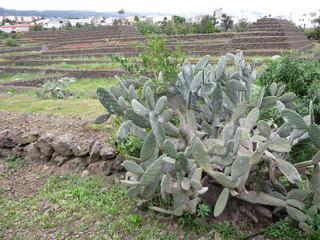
12	90
226	231
284	230
10	163
56	88
193	220
169	236
158	58
10	42
203	210
131	66
189	221
135	220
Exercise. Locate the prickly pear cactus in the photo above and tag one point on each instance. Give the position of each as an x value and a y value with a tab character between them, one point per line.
220	135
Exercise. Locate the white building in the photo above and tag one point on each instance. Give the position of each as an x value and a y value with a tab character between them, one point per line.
305	20
16	28
82	21
20	19
53	22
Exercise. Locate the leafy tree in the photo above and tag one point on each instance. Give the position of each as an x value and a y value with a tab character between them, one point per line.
207	24
195	28
7	20
146	28
241	25
163	23
156	57
3	35
178	20
312	33
10	42
78	25
317	20
182	28
37	27
136	19
117	22
121	12
209	27
169	29
227	22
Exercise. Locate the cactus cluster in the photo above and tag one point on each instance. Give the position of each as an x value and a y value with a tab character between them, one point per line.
220	135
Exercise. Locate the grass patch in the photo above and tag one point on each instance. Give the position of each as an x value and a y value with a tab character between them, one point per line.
87	108
85	65
5	77
9	164
20	53
92	207
91	84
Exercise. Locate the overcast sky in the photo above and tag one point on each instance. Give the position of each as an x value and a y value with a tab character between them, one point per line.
274	7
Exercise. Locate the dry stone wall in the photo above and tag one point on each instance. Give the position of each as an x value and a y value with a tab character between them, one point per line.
65	144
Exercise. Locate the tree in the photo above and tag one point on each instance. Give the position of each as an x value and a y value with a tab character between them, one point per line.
37	27
317	20
136	19
169	29
7	20
78	25
117	22
227	22
241	25
121	12
163	23
146	28
207	24
178	20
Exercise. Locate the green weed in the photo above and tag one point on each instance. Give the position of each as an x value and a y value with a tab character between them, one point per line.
284	230
226	231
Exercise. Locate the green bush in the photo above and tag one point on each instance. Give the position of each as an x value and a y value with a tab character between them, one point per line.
56	88
158	58
10	42
146	28
284	230
220	135
3	35
312	33
302	76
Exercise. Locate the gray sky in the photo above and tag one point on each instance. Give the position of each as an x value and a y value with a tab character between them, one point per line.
274	7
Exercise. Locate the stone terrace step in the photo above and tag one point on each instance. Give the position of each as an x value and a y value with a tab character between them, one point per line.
76	73
31	82
9	88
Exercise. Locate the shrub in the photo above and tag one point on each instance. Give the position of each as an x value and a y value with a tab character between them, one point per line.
284	230
3	35
220	136
10	42
158	58
301	77
56	88
146	28
312	33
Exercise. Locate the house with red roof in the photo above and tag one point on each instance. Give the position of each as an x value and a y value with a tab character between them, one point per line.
16	28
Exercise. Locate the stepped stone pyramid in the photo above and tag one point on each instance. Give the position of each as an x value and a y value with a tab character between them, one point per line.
266	37
84	35
282	31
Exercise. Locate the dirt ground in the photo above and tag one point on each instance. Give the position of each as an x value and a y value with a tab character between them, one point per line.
26	178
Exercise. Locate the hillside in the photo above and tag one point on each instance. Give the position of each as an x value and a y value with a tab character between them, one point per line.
65	13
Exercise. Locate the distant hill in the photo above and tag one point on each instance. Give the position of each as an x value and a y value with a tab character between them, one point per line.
67	13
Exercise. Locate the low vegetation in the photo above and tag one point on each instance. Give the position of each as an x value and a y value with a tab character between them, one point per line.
175	160
186	130
10	42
